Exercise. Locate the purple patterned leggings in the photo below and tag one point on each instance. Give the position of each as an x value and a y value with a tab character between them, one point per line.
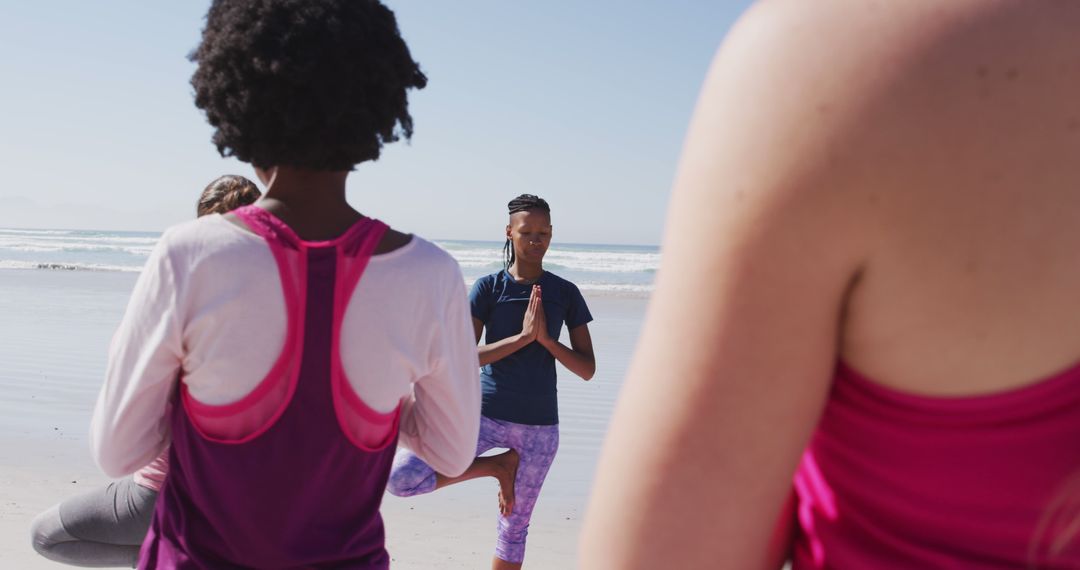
536	445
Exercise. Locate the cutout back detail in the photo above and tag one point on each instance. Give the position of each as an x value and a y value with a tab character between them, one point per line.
250	417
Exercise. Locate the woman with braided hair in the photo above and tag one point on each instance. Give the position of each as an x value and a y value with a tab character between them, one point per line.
523	308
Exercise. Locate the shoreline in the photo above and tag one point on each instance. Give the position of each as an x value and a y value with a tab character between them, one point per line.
616	291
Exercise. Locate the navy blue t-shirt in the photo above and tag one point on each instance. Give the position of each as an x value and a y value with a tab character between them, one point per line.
521	387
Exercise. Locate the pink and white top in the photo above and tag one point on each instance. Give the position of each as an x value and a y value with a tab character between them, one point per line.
153	474
212	313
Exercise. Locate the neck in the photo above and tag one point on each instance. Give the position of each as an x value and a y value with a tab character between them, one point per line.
525	272
306	189
311	202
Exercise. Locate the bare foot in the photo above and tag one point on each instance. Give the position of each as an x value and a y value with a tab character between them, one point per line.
506	466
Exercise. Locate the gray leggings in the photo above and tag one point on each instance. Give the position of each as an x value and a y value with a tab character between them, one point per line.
103	528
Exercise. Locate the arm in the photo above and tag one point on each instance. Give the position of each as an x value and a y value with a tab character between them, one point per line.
578	357
763	242
440	422
499	350
130	422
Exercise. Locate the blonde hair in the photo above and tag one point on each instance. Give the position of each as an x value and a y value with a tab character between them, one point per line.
226	194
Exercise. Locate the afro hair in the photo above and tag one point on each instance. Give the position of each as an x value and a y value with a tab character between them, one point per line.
312	84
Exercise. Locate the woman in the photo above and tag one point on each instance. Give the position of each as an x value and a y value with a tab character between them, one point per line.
279	458
869	285
106	527
523	308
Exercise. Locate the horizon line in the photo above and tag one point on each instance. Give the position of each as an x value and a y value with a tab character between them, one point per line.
159	232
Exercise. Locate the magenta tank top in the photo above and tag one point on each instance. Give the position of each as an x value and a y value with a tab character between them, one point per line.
291	476
897	481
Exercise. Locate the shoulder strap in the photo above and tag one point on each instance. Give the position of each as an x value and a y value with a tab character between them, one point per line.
268	226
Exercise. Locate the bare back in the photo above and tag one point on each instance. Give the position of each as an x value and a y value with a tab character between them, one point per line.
894	185
970	172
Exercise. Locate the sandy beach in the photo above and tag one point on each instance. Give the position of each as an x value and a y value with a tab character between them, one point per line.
53	335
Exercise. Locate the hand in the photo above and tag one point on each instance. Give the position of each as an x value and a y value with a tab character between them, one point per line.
542	335
529	329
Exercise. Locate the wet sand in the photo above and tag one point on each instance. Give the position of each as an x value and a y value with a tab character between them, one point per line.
54	331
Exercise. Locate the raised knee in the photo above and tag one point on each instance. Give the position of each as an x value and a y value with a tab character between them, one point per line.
405	484
410	476
397	486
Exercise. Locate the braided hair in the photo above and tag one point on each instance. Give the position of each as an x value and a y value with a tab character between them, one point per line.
522	203
227	193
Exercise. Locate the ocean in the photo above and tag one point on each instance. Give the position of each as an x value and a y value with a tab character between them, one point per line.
63	292
623	270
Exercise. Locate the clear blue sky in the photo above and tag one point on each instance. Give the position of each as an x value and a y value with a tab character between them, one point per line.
582	102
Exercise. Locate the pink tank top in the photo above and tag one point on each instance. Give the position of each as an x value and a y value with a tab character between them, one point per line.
893	480
293	474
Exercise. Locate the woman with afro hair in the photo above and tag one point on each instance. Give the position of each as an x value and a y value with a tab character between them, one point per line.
284	349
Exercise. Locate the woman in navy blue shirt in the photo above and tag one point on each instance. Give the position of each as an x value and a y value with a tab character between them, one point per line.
523	309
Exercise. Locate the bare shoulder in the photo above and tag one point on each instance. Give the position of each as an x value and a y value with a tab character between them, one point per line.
874	50
846	96
851	30
943	136
871	53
